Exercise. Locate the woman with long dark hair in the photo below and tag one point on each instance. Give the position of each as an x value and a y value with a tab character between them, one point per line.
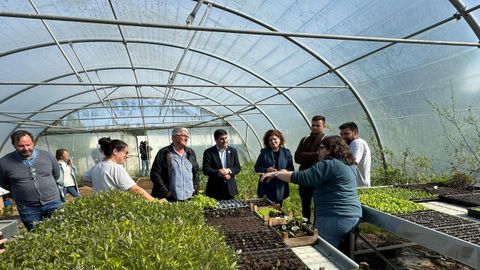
274	158
110	174
337	208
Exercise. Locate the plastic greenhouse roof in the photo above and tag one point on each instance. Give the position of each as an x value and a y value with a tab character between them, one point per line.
75	66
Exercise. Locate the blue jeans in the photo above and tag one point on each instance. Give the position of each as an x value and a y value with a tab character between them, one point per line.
332	229
32	215
72	190
145	167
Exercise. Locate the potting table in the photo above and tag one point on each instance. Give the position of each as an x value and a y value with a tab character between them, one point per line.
461	250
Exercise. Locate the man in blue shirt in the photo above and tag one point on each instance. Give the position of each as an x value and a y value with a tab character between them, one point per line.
30	174
175	169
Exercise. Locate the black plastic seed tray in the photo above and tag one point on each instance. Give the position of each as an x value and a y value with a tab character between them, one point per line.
260	202
228	213
458	227
474	213
243	224
435	220
248	241
232	204
281	259
471	199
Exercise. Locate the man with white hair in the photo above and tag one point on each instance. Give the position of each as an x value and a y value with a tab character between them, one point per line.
175	169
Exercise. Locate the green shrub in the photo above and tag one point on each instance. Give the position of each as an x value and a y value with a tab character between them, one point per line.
460	180
120	230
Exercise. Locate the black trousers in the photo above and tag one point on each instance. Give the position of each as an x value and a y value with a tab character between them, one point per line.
306	195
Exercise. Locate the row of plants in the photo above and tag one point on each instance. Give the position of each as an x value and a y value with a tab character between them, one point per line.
393	200
120	230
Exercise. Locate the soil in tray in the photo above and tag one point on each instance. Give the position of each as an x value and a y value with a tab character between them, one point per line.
433	219
471	199
248	241
281	259
228	213
238	224
455	226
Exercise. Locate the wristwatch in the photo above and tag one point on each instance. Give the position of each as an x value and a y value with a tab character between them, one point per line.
276	173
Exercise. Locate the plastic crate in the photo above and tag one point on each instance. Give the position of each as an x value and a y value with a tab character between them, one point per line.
9	228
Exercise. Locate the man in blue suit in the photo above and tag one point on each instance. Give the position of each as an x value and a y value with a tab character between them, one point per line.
221	164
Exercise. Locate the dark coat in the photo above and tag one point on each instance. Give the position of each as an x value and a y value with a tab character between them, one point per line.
162	168
215	184
275	190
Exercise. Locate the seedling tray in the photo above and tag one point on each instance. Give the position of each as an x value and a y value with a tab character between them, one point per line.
279	259
232	204
234	224
474	213
9	228
260	202
461	228
471	199
309	237
248	241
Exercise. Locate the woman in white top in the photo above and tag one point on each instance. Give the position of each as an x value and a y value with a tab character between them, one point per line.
110	174
67	182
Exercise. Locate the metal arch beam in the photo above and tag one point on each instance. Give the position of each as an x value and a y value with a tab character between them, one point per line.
256	75
186	102
173	46
153	43
146	68
462	11
323	61
77	94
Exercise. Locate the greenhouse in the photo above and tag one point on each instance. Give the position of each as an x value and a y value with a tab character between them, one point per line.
406	72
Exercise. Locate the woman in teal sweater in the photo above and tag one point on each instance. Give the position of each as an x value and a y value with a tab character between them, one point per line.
337	209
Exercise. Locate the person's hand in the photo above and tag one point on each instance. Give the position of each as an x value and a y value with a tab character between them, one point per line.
161	201
283	170
271	169
222	172
266	176
2	241
227	177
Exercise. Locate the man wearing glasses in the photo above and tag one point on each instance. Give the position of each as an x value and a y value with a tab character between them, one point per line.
30	174
175	169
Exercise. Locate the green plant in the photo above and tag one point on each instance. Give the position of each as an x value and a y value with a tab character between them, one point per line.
460	180
269	211
203	201
119	230
462	132
393	200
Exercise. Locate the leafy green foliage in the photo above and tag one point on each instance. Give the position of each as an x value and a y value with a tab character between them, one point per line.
247	181
269	211
203	201
393	200
460	180
120	230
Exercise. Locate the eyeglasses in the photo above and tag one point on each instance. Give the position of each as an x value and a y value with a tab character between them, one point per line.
33	172
183	136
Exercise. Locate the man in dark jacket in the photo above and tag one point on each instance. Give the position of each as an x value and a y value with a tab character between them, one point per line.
175	169
307	155
221	164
